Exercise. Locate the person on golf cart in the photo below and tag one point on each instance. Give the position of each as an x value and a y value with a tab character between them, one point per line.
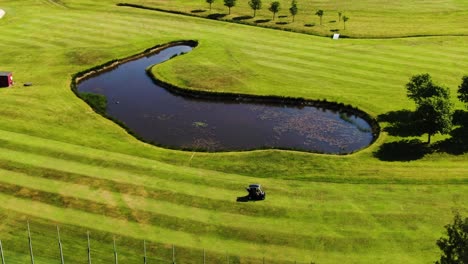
255	192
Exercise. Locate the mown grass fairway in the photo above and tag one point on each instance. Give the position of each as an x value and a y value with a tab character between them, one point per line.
367	18
61	163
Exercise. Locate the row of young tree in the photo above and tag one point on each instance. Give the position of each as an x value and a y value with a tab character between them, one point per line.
275	7
434	110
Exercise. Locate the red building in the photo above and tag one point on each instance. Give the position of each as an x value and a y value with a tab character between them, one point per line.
6	79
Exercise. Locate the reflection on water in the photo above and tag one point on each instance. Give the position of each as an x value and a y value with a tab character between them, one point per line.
175	121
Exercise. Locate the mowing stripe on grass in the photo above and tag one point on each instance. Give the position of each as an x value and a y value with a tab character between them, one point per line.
142	231
373	221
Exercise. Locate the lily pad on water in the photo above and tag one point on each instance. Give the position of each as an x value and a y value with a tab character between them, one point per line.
199	124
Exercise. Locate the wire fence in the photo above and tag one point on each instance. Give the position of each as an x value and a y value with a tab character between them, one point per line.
203	259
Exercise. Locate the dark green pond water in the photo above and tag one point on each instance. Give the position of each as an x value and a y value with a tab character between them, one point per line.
174	121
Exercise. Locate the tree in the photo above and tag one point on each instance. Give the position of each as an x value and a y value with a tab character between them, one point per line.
274	8
320	14
434	115
230	4
210	2
421	86
455	247
255	5
293	9
345	18
463	90
339	15
433	107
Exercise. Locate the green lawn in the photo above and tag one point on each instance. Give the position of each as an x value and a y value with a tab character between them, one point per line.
61	163
367	18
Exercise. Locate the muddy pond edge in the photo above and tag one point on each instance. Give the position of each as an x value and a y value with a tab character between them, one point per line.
210	95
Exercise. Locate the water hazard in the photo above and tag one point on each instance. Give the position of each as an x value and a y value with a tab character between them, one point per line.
174	121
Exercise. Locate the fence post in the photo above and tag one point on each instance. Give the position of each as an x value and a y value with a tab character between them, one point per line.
1	252
89	249
60	246
144	251
30	245
173	254
116	261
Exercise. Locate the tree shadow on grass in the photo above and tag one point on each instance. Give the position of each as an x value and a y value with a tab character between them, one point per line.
239	18
216	16
404	150
457	144
395	116
198	11
259	21
400	123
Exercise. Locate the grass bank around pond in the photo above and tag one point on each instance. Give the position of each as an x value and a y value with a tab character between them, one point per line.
367	19
61	163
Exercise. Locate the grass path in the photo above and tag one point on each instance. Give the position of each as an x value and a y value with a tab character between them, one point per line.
61	163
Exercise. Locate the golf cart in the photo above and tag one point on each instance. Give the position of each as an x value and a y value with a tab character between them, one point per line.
255	192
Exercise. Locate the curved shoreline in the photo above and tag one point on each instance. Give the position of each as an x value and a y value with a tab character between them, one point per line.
209	95
269	99
82	75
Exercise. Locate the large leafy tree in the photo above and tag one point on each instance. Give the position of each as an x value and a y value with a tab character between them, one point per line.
320	14
463	90
293	9
433	107
421	86
210	2
230	4
434	115
455	246
255	5
274	8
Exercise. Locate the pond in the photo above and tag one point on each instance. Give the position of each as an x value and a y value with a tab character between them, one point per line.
162	117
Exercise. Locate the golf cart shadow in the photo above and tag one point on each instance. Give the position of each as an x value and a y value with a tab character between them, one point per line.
255	194
243	199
